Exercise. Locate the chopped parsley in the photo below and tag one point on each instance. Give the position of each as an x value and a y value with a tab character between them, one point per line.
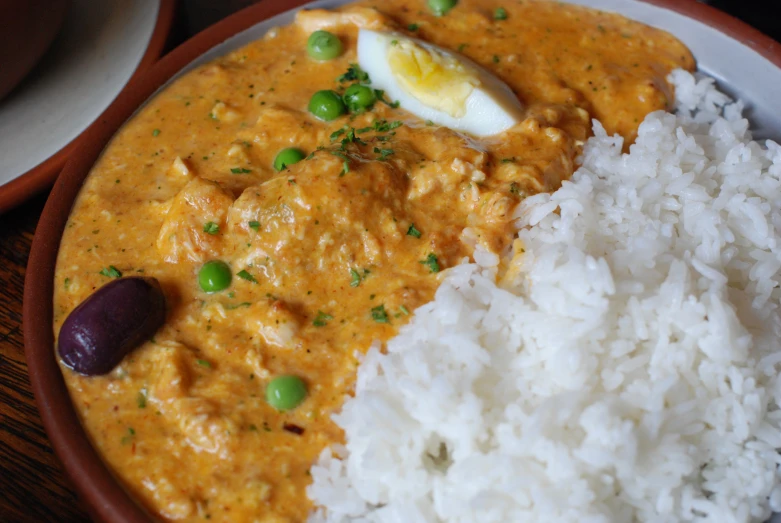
500	13
141	399
431	262
67	283
379	314
384	153
381	126
232	306
130	433
413	27
244	275
240	170
354	74
496	59
345	162
211	228
321	320
254	225
404	310
349	136
381	97
413	231
461	47
204	363
356	277
515	189
156	132
508	160
111	272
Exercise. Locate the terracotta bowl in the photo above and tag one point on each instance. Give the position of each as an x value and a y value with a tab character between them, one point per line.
745	62
28	29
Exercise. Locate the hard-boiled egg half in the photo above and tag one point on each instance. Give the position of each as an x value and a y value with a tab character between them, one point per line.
438	85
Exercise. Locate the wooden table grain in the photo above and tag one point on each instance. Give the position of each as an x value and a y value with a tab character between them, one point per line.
33	486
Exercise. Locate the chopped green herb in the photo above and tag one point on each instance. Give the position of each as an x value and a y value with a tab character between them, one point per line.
379	314
156	132
355	278
254	225
431	262
413	27
384	153
500	13
232	306
354	73
412	231
336	134
404	310
253	428
141	399
111	272
204	363
244	275
321	320
382	126
515	189
240	170
461	47
211	228
381	97
67	283
496	59
345	162
130	433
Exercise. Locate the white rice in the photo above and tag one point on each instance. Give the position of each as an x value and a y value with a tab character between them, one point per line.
624	369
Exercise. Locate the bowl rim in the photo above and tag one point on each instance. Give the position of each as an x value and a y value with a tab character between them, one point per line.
102	494
45	173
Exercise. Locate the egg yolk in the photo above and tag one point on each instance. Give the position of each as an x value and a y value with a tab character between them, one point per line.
435	79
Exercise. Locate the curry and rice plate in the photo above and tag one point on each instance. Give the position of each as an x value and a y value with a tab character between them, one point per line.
295	210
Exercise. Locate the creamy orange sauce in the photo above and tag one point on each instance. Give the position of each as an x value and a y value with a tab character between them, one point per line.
183	420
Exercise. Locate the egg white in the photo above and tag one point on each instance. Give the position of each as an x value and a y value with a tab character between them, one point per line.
491	107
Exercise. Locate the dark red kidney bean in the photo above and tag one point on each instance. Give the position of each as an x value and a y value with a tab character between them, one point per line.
116	319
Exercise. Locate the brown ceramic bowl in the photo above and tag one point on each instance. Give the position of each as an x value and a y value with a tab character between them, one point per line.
28	29
728	45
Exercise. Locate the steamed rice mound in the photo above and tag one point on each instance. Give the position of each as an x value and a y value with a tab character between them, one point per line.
622	366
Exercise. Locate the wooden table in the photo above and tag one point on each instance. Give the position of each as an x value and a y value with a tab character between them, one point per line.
32	483
33	486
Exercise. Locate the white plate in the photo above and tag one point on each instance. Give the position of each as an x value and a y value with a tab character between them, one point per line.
100	46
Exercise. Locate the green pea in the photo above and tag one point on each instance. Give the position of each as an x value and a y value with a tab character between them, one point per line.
285	392
327	105
287	157
214	276
440	7
359	98
323	45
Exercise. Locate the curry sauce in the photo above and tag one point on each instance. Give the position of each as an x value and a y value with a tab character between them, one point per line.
329	255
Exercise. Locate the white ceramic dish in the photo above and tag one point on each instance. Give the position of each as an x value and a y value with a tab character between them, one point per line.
99	48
